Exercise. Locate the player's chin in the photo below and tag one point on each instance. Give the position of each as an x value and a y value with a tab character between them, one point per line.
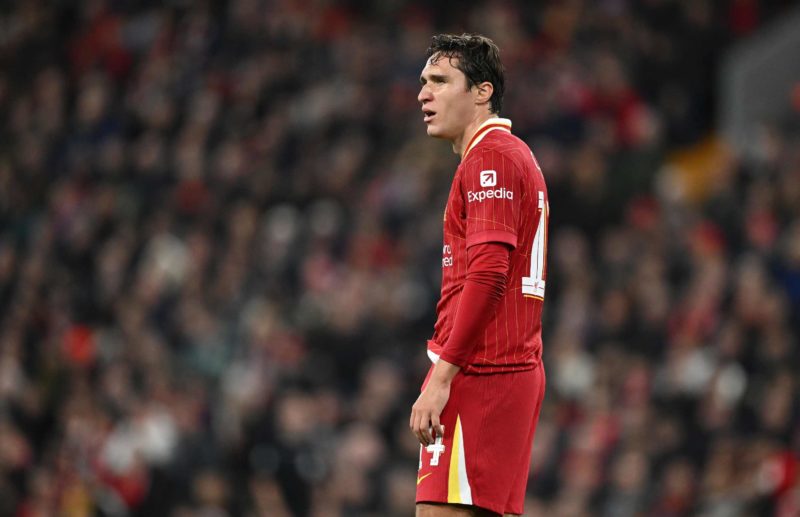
434	131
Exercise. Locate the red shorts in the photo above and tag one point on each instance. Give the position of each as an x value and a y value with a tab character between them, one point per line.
484	457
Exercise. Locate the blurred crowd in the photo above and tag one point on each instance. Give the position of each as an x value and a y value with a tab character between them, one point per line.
219	258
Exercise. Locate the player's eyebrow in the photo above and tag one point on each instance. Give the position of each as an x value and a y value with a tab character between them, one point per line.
437	78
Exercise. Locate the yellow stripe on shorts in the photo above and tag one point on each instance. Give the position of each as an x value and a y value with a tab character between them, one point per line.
458	490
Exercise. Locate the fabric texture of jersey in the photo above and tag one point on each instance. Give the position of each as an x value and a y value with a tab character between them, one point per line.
484	455
487	277
498	194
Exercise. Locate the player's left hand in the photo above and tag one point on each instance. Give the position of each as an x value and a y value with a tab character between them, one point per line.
425	412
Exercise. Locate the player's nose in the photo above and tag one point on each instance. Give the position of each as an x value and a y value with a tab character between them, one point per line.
424	95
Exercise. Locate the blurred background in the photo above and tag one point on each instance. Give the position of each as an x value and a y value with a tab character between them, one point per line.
221	233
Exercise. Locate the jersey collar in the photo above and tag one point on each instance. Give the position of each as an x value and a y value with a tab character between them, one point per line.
503	124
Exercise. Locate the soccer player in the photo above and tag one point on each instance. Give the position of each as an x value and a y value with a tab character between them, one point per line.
476	415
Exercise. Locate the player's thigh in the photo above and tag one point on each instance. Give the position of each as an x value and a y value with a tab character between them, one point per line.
451	510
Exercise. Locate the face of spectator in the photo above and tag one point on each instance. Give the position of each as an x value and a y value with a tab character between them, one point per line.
448	104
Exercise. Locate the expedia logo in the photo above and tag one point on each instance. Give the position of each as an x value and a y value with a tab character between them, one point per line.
488	179
501	193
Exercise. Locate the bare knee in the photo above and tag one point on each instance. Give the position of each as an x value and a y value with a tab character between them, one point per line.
442	510
451	510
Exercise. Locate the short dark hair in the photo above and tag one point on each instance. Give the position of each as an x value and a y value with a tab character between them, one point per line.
478	58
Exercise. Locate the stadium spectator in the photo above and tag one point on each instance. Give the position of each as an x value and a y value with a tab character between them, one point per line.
219	242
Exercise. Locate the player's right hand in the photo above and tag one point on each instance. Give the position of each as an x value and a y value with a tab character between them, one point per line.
425	412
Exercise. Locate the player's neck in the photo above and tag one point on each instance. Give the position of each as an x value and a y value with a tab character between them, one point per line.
460	144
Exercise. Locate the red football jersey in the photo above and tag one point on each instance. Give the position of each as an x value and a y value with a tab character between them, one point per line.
498	195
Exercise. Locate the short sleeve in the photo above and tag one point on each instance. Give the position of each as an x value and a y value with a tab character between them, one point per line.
490	184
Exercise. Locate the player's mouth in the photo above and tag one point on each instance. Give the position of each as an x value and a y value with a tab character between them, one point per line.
428	115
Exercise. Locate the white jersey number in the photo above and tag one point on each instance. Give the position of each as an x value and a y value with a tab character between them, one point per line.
534	285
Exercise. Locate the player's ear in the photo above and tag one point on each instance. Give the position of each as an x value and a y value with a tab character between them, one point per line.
484	92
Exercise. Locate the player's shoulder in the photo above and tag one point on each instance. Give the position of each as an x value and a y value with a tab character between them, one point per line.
501	147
